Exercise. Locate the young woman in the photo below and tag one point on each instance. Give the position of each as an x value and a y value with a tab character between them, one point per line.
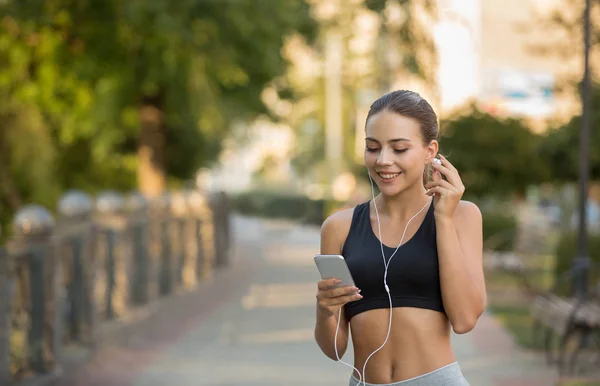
418	236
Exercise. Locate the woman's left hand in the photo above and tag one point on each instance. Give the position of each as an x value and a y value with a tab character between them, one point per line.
447	193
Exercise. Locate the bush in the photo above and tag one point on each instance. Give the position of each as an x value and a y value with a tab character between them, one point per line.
566	251
280	206
499	230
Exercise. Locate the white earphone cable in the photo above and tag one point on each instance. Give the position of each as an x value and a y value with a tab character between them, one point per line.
337	355
362	376
386	265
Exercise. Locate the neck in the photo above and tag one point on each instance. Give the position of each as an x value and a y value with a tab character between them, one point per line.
404	205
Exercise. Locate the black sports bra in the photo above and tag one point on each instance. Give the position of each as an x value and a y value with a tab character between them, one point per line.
413	274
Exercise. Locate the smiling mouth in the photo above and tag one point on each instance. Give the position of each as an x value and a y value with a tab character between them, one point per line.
388	176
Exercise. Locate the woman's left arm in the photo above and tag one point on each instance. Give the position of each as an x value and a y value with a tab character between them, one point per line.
460	250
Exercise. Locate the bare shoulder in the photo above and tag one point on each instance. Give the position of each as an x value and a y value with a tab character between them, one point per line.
334	231
467	211
468	218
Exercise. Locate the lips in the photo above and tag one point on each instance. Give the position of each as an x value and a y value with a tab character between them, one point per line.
387	177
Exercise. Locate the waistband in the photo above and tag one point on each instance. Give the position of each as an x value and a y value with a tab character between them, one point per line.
448	375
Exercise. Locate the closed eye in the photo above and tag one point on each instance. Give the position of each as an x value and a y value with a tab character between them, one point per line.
374	149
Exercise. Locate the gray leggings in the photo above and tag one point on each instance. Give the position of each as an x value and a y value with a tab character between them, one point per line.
449	375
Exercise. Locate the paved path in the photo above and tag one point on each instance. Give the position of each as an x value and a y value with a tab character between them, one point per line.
253	325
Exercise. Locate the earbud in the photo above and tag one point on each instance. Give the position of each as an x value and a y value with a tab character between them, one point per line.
436	161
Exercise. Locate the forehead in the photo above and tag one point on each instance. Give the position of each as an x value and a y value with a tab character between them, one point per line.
387	125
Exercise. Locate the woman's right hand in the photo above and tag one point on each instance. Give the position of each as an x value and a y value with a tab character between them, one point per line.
330	299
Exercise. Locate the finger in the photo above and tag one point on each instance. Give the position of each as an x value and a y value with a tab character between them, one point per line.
440	168
341	291
438	190
328	283
451	175
350	298
447	163
343	299
442	183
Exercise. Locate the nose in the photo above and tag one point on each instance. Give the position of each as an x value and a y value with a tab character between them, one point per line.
384	158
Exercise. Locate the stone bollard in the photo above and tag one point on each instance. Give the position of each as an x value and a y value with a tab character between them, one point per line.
179	212
32	246
7	286
197	205
75	229
165	272
221	228
137	208
228	236
109	207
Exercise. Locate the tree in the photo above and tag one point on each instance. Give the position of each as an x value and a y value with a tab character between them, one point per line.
146	87
559	147
407	37
404	31
494	156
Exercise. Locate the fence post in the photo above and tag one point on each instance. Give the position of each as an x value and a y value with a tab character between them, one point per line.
137	206
197	203
7	284
166	268
108	207
75	230
179	211
220	214
34	229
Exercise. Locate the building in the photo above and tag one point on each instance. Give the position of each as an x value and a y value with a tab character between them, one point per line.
489	53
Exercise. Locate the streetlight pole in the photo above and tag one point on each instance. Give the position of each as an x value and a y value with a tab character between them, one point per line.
333	100
581	262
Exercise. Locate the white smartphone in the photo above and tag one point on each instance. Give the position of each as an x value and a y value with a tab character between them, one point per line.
331	266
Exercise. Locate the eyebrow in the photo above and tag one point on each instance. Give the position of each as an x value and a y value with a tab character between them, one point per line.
391	140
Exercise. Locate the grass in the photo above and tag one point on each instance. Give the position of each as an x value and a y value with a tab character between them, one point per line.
509	303
517	320
512	308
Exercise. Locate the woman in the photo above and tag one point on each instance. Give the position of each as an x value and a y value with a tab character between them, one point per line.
435	278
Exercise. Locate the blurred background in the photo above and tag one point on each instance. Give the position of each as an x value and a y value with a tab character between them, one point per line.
150	147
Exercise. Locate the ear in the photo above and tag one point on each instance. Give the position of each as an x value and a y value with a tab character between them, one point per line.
431	151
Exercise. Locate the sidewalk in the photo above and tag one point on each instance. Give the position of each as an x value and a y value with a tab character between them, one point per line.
253	325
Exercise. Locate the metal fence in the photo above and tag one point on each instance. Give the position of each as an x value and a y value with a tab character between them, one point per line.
99	259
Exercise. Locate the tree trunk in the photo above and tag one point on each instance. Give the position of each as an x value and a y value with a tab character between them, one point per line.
151	150
8	188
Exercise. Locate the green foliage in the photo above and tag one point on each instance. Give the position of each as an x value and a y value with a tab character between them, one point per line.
560	146
517	320
276	205
73	75
494	156
25	151
499	230
410	39
566	251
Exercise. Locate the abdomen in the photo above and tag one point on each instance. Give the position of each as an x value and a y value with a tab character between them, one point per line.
419	342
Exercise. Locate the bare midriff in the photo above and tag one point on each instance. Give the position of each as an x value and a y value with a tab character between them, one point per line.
419	343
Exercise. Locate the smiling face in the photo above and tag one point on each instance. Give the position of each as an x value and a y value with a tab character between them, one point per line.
395	152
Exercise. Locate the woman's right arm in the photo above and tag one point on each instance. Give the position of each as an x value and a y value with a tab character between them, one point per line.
329	301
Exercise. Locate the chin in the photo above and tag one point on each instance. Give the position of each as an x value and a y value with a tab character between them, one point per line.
394	189
391	192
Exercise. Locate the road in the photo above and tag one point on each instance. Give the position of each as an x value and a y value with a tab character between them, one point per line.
252	325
